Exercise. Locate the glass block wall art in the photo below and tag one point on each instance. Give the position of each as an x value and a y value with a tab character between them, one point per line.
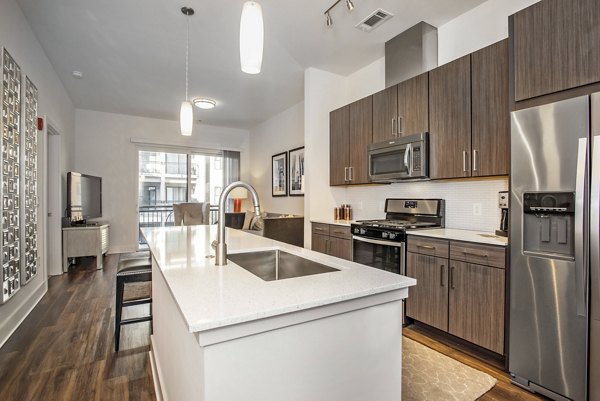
10	154
29	207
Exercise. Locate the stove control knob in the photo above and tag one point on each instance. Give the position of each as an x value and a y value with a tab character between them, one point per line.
356	231
384	234
392	235
363	231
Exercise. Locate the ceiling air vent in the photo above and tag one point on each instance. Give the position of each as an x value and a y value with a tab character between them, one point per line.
373	20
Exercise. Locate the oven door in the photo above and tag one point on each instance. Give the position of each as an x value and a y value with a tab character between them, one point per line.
384	255
389	163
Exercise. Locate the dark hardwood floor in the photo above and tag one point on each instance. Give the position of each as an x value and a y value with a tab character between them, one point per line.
64	349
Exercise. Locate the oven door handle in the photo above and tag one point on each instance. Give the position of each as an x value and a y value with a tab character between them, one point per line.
378	242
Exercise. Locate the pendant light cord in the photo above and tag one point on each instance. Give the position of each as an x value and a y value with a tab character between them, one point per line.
187	60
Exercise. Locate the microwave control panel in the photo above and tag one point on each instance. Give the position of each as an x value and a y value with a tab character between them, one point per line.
416	158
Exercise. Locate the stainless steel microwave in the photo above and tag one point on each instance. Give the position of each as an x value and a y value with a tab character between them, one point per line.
403	158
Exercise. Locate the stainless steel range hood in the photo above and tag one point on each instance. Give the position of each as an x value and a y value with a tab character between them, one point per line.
411	53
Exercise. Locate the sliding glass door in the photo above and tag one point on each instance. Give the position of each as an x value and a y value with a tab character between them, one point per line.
168	177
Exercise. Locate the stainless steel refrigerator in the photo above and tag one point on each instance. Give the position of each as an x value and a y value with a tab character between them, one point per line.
554	249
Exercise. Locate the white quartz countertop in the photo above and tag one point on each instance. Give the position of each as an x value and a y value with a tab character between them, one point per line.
334	222
210	296
480	237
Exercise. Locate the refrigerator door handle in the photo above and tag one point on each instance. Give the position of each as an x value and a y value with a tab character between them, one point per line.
595	225
581	261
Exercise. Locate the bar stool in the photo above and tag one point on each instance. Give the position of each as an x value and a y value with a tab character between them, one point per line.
135	267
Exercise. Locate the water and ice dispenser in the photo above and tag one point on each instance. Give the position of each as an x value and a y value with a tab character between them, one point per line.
548	223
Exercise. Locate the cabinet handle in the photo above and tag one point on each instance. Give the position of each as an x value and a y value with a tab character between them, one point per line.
400	127
393	127
442	275
338	232
479	255
426	246
475	151
464	161
319	229
351	169
452	277
345	173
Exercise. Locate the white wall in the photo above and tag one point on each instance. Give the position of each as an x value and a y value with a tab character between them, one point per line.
280	133
480	27
18	38
477	28
103	148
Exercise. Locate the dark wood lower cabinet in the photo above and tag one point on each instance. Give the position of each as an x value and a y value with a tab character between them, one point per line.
476	304
338	244
340	248
460	297
319	242
428	300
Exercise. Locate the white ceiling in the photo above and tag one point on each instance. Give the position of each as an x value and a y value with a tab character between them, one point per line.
132	52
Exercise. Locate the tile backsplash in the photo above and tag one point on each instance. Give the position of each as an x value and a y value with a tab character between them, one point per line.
470	204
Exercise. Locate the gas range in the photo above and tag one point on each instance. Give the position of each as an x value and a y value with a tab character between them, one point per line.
402	215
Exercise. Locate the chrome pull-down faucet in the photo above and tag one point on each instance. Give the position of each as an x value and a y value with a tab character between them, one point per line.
221	250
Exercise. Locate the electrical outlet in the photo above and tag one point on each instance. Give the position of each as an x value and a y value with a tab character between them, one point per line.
476	209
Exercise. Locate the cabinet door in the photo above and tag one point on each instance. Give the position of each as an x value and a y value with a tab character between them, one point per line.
556	46
428	301
320	242
341	248
385	112
490	111
477	304
413	105
450	119
339	146
361	136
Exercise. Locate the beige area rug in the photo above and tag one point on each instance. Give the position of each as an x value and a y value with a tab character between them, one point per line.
428	375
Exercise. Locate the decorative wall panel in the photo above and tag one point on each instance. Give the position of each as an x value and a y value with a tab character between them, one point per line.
29	206
9	157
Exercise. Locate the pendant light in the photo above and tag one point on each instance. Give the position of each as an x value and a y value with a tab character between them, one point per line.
251	38
186	114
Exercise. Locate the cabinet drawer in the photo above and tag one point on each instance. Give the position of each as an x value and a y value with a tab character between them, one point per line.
428	246
320	228
486	255
340	231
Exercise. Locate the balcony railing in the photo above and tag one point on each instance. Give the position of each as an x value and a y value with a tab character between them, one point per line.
162	216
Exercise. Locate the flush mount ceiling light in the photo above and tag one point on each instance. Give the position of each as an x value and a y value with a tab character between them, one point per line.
186	114
328	20
251	38
204	103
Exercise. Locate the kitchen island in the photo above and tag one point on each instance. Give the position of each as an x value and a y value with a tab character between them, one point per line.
221	333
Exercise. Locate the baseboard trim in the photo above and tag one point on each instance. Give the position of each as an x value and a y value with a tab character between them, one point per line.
156	372
23	311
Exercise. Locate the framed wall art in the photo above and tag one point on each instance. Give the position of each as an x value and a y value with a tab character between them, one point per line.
279	174
296	171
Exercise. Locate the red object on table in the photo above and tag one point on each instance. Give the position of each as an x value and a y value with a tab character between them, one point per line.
237	205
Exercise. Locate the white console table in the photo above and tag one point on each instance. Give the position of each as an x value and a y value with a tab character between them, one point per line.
89	240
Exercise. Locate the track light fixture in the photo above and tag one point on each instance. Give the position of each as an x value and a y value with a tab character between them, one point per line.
328	20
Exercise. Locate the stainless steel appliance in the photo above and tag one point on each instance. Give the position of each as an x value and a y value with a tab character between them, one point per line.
400	159
382	243
554	257
503	205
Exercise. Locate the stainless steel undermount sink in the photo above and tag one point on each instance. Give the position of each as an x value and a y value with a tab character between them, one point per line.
278	265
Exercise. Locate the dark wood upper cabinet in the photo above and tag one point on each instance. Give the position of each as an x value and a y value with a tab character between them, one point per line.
413	106
450	119
361	136
385	114
339	146
490	111
556	45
